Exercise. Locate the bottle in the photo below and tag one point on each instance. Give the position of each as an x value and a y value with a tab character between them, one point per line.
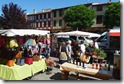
96	65
105	66
109	66
76	62
83	65
100	66
73	61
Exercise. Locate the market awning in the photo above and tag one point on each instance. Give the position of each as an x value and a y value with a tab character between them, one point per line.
114	32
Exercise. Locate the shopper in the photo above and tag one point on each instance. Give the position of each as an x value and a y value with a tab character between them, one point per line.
70	52
63	53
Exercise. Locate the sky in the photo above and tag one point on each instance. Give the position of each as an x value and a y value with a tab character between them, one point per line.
29	5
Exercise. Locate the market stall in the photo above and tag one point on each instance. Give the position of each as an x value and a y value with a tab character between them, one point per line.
18	72
88	71
19	67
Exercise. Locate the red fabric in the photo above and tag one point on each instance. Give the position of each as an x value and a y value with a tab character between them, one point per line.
29	60
2	42
114	34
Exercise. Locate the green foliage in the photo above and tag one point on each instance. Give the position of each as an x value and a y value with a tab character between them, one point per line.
99	52
112	15
13	17
79	16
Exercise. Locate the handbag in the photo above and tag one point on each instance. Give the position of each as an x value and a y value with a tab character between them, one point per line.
36	58
78	53
63	55
20	61
18	55
85	58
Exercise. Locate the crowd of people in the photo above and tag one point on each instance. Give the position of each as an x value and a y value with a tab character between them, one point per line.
67	52
41	46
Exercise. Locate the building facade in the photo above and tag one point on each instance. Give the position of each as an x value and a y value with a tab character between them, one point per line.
53	19
42	20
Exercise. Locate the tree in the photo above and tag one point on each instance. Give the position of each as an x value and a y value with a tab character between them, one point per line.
13	17
111	17
79	16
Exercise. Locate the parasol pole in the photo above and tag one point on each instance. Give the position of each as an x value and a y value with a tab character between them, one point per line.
77	36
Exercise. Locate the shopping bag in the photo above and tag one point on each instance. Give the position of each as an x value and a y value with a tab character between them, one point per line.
36	58
85	58
29	60
19	54
50	62
20	61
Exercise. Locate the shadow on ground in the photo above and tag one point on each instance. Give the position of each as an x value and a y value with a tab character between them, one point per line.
56	76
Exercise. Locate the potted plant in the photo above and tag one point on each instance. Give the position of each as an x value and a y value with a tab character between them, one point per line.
100	54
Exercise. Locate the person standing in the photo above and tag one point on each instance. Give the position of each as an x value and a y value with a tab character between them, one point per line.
47	50
70	52
88	52
63	53
82	49
96	44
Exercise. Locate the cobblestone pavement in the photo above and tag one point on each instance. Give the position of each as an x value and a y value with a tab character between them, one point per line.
56	74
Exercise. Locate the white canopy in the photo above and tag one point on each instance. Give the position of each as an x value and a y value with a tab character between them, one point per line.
73	33
93	35
22	32
78	33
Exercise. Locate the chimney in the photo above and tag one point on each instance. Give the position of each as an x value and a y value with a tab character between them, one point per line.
34	11
110	1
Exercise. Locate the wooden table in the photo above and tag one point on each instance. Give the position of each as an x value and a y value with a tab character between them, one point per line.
69	67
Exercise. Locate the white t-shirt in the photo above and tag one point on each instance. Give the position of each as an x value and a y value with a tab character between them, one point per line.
96	45
82	47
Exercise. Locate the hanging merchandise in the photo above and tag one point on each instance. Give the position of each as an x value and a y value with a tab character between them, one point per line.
13	44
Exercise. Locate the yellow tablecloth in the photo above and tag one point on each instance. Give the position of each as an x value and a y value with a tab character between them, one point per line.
38	66
18	72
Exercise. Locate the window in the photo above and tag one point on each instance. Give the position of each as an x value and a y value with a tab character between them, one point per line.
44	16
40	16
102	38
54	13
36	17
99	8
60	22
49	14
40	24
99	19
36	24
60	13
49	23
54	22
45	24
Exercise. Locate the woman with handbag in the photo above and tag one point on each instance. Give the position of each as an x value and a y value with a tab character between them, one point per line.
63	53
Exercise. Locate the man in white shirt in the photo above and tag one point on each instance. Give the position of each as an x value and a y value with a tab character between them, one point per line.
82	47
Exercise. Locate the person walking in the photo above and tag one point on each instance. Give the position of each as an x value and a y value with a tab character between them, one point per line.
63	53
